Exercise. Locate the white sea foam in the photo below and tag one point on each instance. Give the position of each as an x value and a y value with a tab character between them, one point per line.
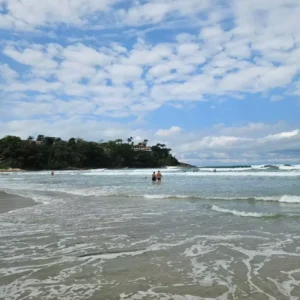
282	199
150	294
256	168
241	213
278	171
290	199
197	174
165	196
94	191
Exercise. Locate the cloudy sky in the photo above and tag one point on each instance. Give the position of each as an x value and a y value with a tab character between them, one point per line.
215	80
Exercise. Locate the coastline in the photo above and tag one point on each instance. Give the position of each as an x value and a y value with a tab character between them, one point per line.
9	170
17	170
10	202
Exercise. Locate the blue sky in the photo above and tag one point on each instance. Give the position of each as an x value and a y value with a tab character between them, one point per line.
217	81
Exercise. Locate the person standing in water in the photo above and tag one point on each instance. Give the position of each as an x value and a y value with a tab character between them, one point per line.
158	177
153	177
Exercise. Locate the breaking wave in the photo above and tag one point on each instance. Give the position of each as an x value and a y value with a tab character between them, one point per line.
243	213
281	199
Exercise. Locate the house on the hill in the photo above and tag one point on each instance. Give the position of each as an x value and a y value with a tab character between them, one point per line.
142	147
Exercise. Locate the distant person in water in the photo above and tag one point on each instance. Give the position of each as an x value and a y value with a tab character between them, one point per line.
158	177
52	173
153	177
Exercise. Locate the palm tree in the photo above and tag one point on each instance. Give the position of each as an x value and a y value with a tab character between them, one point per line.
40	137
30	138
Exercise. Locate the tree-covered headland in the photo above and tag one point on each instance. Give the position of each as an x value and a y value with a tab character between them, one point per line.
45	153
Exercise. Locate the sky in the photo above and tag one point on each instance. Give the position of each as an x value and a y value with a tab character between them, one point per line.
217	81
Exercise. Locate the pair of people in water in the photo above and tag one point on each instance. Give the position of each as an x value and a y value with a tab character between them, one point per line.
156	177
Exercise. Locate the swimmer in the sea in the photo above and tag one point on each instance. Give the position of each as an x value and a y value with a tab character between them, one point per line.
158	177
153	177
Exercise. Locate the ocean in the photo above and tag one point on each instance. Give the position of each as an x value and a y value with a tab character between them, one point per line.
112	234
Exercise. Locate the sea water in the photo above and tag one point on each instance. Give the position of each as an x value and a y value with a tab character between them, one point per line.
113	234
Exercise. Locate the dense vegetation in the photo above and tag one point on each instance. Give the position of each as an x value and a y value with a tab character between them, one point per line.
47	153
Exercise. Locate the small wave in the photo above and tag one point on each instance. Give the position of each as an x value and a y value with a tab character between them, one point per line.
282	199
255	168
115	191
290	199
164	196
242	213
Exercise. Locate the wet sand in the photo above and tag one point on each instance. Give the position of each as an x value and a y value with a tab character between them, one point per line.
10	202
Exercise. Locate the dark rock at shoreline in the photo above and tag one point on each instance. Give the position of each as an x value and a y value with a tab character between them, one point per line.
184	165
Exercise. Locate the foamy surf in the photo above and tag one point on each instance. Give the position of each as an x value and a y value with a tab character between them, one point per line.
282	199
164	196
242	213
289	199
119	225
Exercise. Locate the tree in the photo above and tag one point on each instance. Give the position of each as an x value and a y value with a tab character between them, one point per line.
40	137
72	141
55	153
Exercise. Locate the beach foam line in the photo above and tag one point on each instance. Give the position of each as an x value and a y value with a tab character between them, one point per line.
113	192
281	199
36	197
196	172
289	199
201	173
242	213
166	196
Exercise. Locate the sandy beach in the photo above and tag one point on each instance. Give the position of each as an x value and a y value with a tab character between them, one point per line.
10	202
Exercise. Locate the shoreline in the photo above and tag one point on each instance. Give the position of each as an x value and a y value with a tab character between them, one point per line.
16	170
11	170
11	202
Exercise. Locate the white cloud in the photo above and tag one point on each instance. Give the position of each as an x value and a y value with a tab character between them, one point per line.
124	73
275	98
197	147
85	55
6	73
214	143
33	13
234	48
65	128
187	49
168	132
283	135
248	58
32	56
254	130
155	11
